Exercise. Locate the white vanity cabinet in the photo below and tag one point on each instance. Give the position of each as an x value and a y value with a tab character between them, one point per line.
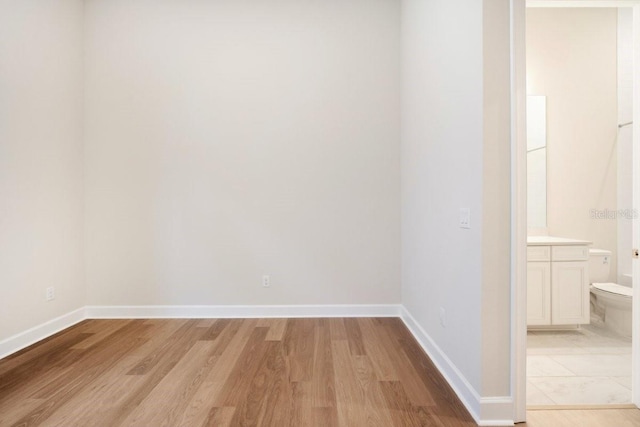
538	285
557	282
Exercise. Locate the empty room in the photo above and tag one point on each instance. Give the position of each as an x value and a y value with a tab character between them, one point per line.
267	213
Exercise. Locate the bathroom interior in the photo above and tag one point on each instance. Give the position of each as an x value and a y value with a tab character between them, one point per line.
579	203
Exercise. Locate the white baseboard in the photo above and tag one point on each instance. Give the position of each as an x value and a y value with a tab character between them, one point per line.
45	330
496	411
241	311
31	336
486	411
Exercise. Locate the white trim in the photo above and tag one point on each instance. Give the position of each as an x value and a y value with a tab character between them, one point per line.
496	411
635	333
582	3
241	311
486	411
465	391
31	336
518	211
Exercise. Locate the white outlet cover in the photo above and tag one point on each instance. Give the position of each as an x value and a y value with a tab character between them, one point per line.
465	218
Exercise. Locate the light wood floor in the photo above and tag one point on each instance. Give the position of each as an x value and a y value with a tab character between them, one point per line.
269	372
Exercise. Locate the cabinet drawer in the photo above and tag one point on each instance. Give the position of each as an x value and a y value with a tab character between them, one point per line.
569	253
538	253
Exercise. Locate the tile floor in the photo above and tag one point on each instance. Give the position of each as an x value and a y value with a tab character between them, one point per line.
589	366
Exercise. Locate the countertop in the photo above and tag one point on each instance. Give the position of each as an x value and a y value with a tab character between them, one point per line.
554	241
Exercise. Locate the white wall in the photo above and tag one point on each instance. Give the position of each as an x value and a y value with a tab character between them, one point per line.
571	58
442	172
455	153
40	161
226	140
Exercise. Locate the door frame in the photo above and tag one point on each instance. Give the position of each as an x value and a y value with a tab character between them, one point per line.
519	193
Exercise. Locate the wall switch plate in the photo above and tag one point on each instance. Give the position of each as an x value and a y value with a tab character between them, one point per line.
465	218
266	281
51	293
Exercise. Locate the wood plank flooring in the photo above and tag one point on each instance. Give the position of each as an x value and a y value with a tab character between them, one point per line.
228	372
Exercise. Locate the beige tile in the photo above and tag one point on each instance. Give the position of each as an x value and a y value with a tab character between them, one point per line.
623	381
595	365
582	390
535	397
590	365
545	366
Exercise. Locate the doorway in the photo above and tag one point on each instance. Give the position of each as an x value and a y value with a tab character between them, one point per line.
520	204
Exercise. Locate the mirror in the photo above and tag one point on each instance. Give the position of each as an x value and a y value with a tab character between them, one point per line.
537	161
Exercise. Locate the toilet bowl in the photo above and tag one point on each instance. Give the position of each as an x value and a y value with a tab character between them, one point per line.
615	302
612	300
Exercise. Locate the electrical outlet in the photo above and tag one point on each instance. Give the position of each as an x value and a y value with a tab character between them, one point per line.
443	317
51	293
465	218
266	281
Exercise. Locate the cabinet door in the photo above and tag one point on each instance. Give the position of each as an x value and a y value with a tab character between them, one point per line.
538	293
570	293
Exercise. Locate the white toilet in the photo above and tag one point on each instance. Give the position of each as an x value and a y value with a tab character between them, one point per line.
614	301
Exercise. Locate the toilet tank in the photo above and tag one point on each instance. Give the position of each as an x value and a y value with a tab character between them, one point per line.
599	265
